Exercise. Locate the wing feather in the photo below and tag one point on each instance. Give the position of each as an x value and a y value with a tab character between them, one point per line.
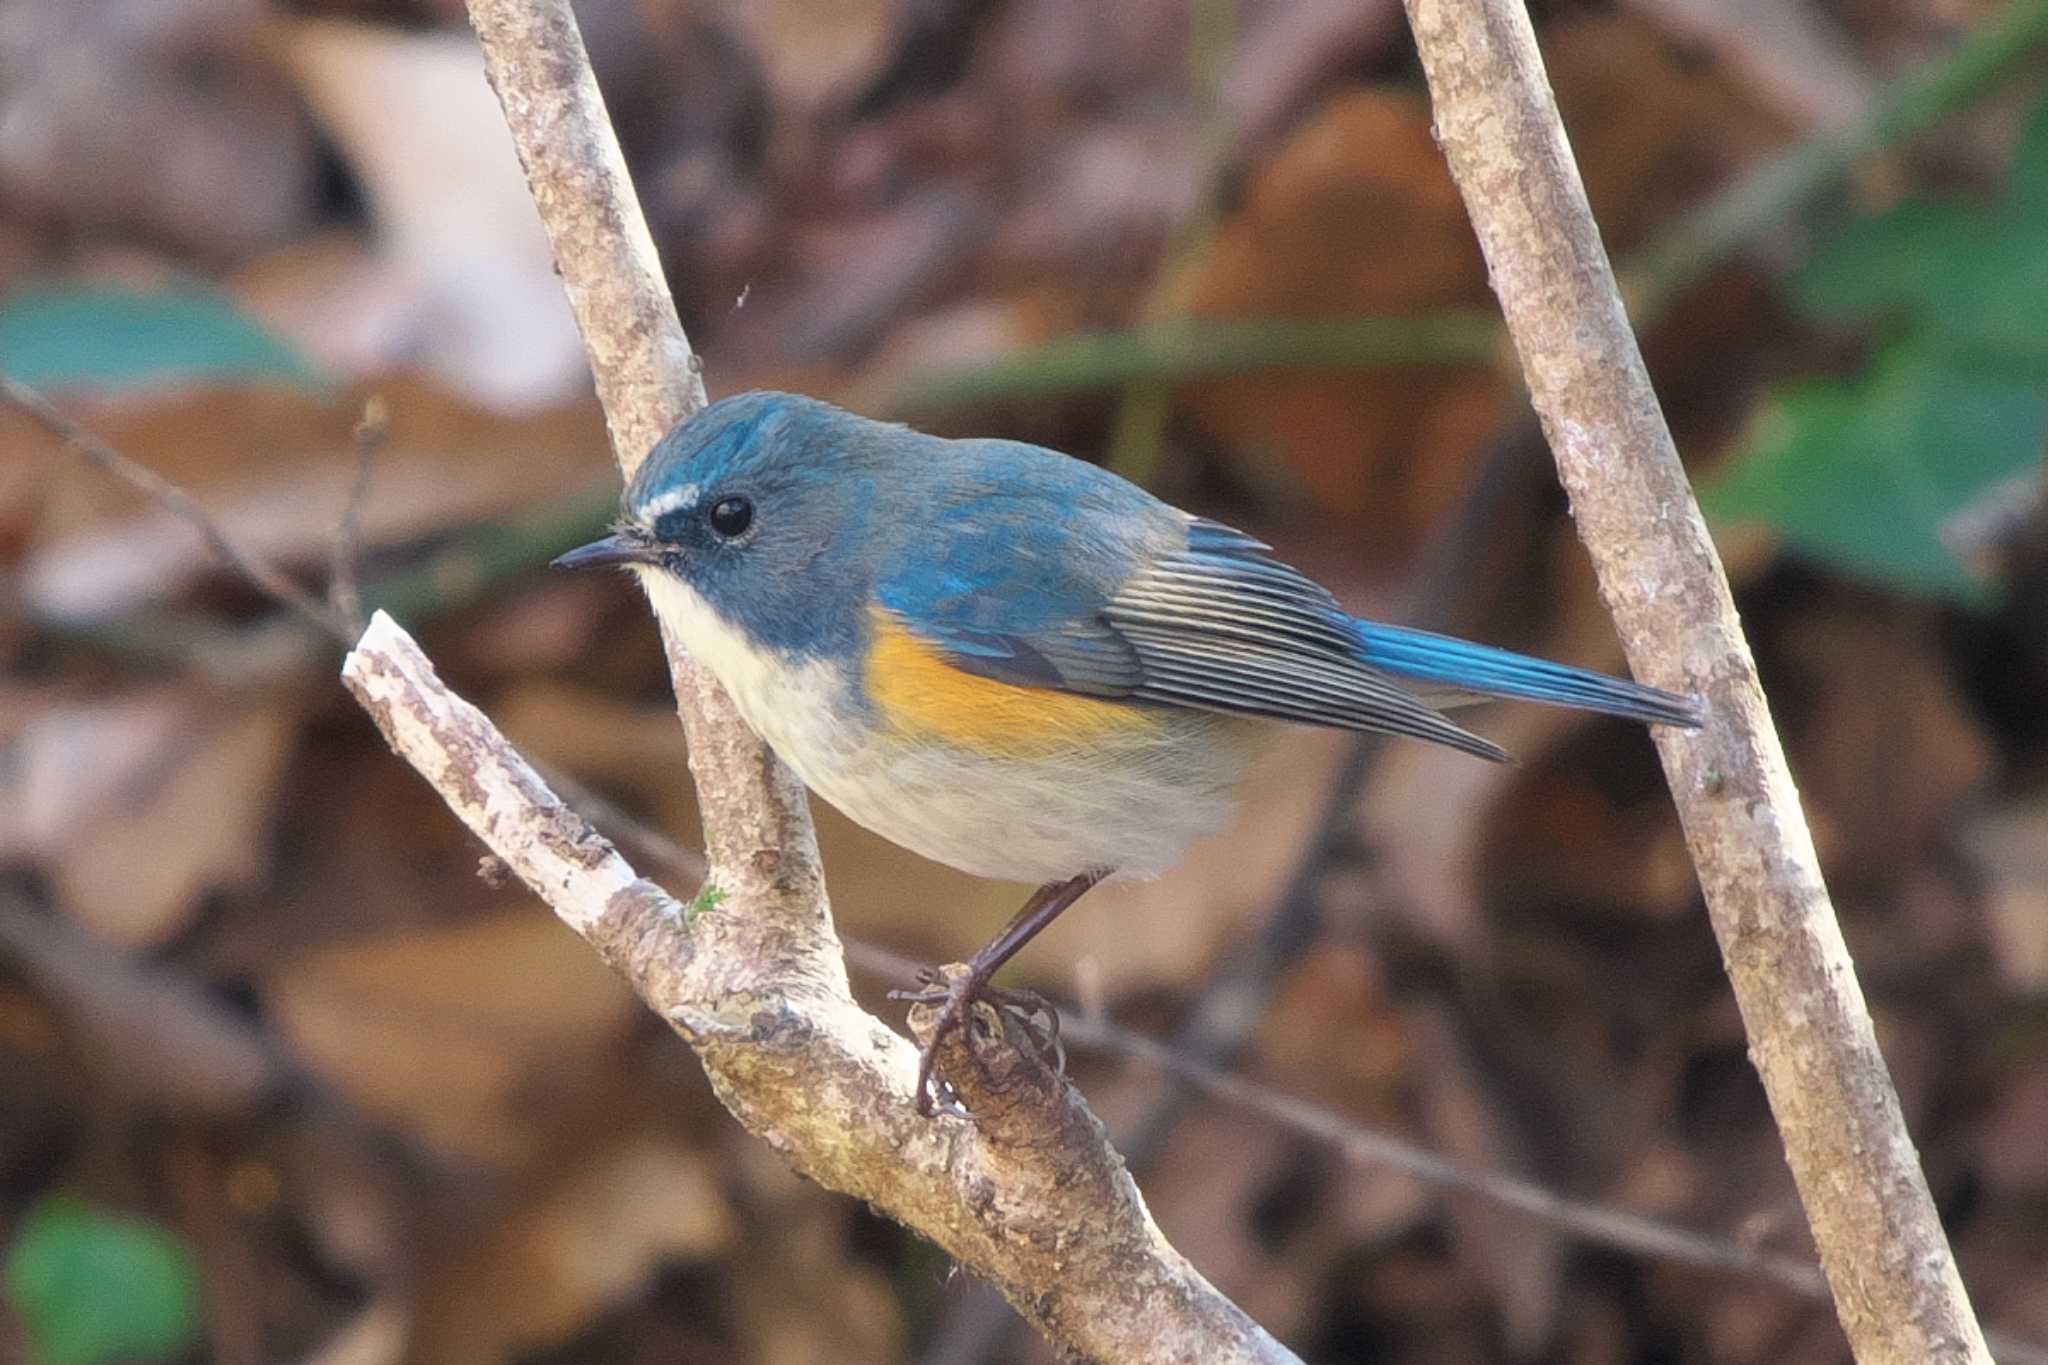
1228	673
1216	626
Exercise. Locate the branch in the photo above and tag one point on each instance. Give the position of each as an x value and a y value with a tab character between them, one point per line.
1028	1195
1189	1059
1881	1245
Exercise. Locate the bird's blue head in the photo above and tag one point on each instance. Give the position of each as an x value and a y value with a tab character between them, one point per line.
763	505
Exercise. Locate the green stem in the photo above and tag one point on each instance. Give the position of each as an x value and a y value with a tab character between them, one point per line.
1762	197
1191	349
1139	427
474	562
1654	277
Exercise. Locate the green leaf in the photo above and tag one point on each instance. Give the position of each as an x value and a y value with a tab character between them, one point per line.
1909	258
93	1287
2030	166
69	335
1866	472
1866	475
1972	274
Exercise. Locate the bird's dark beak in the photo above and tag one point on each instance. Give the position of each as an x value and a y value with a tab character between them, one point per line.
614	550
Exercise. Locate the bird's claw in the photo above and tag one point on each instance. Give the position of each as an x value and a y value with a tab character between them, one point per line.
955	993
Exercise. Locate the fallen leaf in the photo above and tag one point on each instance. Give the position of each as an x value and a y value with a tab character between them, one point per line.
1653	133
1359	186
140	805
456	1033
420	127
817	52
162	121
2009	846
588	1237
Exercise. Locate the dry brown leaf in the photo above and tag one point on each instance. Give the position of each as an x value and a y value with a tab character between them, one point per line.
274	470
589	1236
1330	1035
456	225
470	1036
1355	214
1573	830
140	805
336	296
1796	56
2009	844
1885	749
1653	132
1101	202
153	120
1291	52
65	762
152	1036
817	52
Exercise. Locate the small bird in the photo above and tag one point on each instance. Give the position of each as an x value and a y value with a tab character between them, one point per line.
1012	661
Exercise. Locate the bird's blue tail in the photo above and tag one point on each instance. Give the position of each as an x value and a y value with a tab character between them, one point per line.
1465	667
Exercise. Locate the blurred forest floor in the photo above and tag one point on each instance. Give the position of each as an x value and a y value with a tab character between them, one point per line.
283	1079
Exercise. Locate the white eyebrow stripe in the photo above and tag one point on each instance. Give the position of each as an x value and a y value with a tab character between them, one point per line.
684	497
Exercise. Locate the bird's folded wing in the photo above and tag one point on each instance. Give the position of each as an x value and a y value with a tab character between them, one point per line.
1217	626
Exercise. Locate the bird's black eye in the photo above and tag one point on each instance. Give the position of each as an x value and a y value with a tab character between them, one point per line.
731	517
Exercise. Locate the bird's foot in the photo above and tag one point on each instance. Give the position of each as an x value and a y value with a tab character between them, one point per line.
955	991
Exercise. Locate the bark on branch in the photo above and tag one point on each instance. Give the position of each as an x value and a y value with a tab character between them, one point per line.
1881	1245
1028	1195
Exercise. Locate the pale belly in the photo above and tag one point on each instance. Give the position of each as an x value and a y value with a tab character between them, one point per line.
1127	804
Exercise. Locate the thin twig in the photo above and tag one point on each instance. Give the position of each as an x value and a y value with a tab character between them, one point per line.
1592	1222
342	594
271	581
1028	1193
1139	424
1896	1289
1595	1223
463	567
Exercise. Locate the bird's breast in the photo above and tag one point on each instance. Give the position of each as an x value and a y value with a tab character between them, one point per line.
793	702
1022	784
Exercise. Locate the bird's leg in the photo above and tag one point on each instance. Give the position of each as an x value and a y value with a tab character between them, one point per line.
956	997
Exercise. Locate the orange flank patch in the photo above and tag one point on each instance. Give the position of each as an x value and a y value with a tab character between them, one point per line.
921	694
